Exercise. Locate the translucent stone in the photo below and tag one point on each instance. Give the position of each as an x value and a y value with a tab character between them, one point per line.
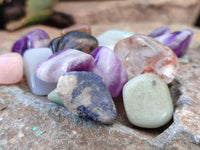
31	58
111	37
142	54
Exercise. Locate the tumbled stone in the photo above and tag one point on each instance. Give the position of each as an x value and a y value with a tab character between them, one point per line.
50	69
87	96
77	27
108	66
53	45
77	40
31	58
11	68
53	97
147	101
35	39
111	37
141	54
159	32
178	41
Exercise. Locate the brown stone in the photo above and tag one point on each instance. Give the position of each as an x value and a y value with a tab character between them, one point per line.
132	11
33	122
77	27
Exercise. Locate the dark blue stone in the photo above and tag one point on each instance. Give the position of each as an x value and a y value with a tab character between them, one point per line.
89	96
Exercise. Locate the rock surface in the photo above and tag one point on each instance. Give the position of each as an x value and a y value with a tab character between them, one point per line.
131	11
147	101
33	122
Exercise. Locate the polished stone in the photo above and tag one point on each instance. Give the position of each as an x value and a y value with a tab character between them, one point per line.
77	27
86	95
111	37
37	38
147	101
75	40
51	68
11	68
142	54
108	66
31	58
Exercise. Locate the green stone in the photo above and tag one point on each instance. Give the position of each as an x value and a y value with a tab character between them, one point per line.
53	97
147	101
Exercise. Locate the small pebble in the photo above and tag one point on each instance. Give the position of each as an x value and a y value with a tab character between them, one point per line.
111	37
53	97
31	58
76	40
11	68
77	27
147	101
50	69
142	54
53	45
87	96
108	66
35	39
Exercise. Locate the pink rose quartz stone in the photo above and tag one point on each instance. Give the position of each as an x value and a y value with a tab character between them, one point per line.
142	54
11	68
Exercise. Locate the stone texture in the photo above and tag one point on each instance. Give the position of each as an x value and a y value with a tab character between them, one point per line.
58	129
147	101
132	11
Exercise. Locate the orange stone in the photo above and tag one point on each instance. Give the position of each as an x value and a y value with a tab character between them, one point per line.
77	27
11	68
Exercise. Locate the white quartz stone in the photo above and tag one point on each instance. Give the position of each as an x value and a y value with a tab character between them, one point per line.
147	101
111	37
31	58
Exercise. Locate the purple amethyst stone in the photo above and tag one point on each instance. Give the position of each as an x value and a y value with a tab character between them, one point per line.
108	66
35	39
